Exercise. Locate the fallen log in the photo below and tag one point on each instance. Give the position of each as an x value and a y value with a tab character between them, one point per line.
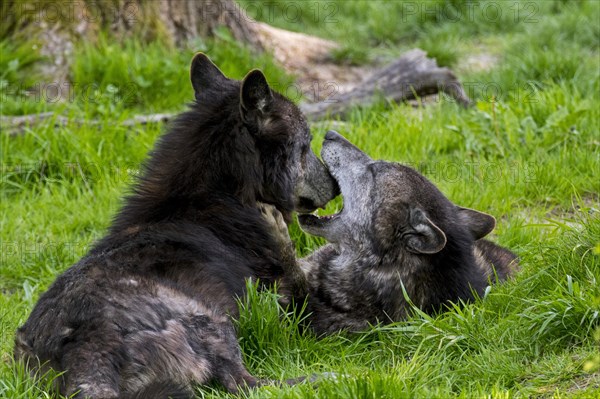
18	125
411	76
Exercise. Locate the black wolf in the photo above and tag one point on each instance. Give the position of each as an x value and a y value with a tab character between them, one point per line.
396	231
146	313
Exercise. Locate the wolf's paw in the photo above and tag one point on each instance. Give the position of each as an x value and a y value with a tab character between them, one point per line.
275	219
294	281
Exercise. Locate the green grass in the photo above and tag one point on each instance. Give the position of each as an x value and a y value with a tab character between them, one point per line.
527	152
148	78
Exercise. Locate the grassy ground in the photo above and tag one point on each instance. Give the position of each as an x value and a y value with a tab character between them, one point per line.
528	153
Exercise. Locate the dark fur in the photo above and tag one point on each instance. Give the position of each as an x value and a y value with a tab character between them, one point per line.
149	306
396	230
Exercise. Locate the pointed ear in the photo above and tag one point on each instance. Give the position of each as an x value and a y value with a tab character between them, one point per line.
204	74
425	237
255	94
479	224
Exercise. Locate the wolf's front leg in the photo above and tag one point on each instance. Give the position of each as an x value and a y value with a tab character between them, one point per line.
294	283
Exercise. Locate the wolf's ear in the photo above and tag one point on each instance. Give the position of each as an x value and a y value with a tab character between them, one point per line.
204	74
479	224
424	236
255	94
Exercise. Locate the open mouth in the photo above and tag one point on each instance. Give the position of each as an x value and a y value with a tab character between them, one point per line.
313	218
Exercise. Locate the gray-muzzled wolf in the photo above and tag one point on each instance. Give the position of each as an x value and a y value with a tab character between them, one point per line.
146	313
396	232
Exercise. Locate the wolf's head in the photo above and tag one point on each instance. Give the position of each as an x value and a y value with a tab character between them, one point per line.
390	210
240	141
273	138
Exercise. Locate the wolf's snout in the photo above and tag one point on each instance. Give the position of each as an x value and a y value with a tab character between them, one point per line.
332	135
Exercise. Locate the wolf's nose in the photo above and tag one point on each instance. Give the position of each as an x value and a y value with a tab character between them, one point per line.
332	135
